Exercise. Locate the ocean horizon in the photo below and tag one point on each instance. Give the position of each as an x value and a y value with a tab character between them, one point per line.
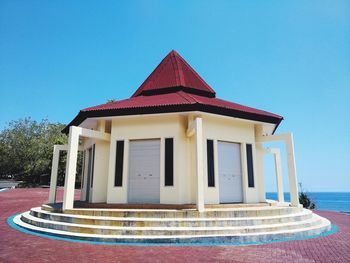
333	201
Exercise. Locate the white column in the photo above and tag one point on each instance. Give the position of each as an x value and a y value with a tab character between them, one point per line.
101	125
69	184
199	164
292	175
111	170
279	178
258	163
54	170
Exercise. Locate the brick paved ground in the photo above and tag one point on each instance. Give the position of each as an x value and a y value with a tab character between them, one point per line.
16	246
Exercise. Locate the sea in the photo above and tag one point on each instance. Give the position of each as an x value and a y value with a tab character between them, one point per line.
334	201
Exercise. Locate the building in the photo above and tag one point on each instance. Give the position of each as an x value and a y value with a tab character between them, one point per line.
173	142
173	163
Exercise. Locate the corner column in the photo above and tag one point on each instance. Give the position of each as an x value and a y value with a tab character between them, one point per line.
292	175
199	164
72	153
54	170
279	179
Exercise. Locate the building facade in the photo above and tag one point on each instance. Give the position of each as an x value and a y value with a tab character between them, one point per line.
172	142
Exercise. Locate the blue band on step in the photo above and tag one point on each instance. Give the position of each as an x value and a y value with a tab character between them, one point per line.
10	222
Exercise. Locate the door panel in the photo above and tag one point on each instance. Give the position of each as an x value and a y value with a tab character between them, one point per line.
144	172
230	172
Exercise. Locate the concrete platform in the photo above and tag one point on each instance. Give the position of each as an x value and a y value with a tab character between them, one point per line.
16	246
239	223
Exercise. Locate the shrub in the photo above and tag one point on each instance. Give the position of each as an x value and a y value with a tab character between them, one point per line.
305	200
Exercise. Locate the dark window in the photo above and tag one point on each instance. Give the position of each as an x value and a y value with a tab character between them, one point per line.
169	162
92	165
119	159
210	162
250	165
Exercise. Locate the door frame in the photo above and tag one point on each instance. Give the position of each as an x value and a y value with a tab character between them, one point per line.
90	170
130	141
242	170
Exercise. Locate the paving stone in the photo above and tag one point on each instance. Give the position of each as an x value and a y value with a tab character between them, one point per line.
16	246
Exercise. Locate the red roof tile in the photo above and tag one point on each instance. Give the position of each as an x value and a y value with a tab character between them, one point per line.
176	98
174	87
174	71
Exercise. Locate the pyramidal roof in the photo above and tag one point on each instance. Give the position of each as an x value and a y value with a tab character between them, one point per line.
174	74
174	86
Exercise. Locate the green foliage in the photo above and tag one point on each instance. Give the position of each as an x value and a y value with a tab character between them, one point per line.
26	148
111	100
305	200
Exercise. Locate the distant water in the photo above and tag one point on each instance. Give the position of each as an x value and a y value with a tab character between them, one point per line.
324	200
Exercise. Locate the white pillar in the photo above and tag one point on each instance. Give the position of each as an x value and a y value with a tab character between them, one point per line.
279	178
258	161
72	153
101	125
292	175
54	170
199	164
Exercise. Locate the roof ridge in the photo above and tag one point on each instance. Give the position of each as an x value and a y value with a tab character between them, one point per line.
190	95
183	95
193	71
180	70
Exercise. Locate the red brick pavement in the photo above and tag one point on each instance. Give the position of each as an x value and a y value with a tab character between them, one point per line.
16	246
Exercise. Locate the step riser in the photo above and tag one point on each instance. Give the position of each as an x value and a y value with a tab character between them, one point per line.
173	223
167	232
222	239
187	214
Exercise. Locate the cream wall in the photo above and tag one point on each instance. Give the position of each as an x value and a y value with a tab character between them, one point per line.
87	143
152	127
98	193
99	189
230	130
174	126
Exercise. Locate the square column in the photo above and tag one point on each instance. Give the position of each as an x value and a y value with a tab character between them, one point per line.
72	153
278	170
199	164
54	170
292	175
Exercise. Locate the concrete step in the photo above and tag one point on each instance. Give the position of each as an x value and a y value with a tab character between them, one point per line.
314	229
188	213
170	222
167	231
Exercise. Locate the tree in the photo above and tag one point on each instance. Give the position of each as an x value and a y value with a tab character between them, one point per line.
26	148
305	200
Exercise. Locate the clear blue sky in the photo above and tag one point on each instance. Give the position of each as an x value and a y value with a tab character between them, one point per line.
288	57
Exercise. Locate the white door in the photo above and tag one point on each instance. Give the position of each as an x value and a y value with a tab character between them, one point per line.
230	172
144	172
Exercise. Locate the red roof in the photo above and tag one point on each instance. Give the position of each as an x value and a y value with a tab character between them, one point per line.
174	87
173	71
174	99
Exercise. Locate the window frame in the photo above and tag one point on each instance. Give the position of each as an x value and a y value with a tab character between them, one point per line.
171	168
250	165
119	163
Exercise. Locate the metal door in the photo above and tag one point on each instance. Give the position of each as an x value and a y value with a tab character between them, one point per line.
144	172
230	172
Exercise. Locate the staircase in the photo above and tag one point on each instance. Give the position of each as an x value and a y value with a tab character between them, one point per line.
241	224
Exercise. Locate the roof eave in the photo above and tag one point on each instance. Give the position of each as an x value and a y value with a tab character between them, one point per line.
82	115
